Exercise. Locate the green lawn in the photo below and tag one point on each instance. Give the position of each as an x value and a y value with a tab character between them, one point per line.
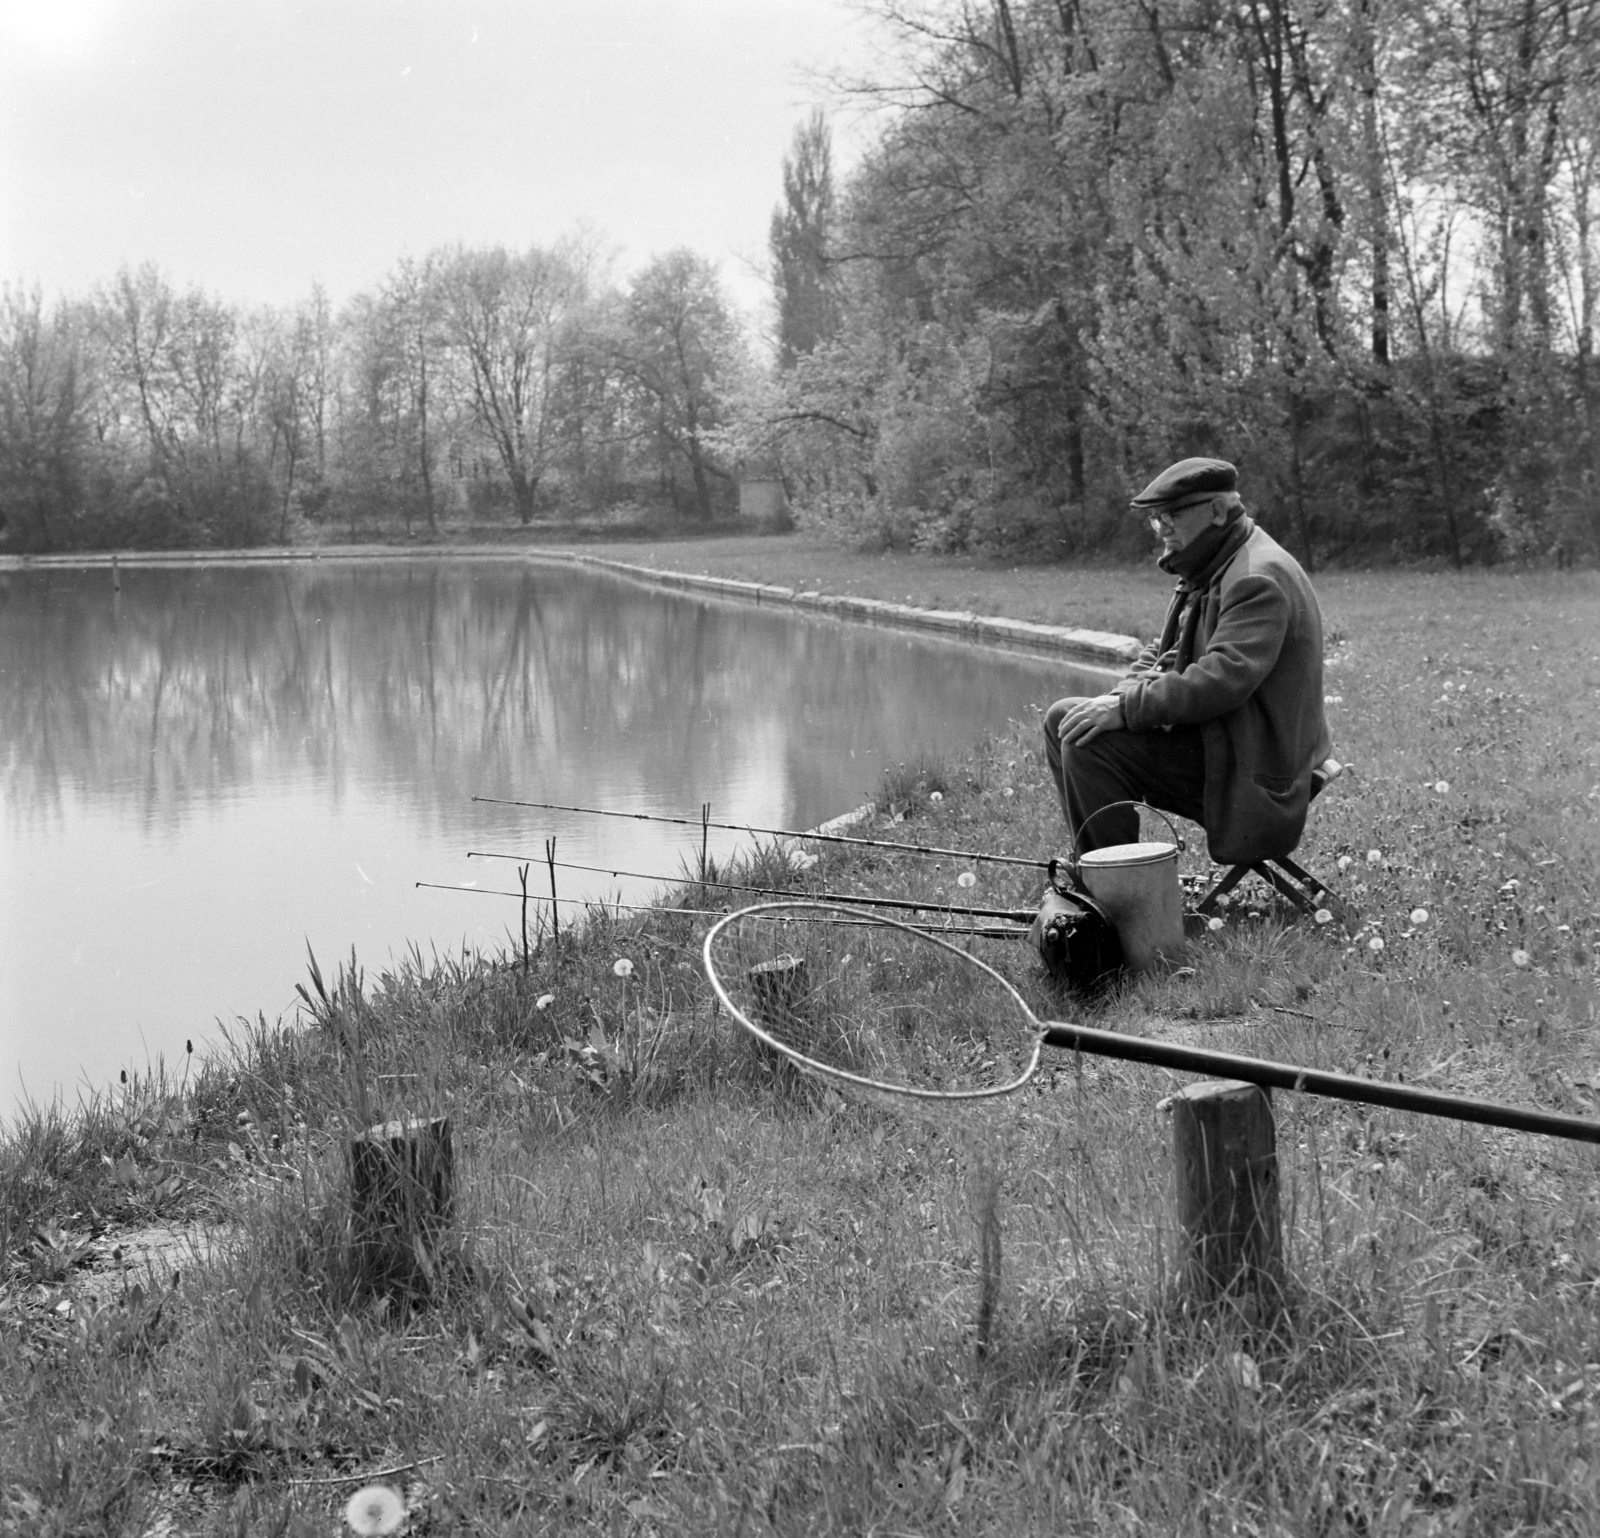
691	1299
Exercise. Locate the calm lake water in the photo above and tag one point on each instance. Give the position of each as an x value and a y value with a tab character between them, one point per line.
214	767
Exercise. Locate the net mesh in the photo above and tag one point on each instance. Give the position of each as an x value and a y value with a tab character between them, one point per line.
874	1008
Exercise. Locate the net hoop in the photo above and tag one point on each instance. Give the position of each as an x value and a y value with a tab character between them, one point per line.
843	1076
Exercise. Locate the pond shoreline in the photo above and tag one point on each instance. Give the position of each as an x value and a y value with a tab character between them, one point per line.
1095	648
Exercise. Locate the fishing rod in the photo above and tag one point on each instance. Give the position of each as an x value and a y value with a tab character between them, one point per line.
740	827
975	931
1016	915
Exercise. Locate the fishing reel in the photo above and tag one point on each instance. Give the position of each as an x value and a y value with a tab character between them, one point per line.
1075	937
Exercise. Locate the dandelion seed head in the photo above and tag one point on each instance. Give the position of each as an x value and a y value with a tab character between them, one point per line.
966	878
1345	862
936	795
1442	787
1375	944
1520	958
1008	792
1214	924
544	1001
622	967
1323	916
1419	917
1374	857
375	1509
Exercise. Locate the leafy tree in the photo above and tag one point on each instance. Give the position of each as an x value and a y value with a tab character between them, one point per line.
180	379
392	420
676	339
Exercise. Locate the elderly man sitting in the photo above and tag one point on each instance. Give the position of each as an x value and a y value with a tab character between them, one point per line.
1219	720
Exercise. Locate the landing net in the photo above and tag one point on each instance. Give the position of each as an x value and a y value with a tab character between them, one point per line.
874	1009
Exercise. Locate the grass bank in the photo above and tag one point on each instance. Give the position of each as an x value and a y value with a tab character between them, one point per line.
688	1300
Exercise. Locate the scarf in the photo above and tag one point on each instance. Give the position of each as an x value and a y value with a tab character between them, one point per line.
1194	566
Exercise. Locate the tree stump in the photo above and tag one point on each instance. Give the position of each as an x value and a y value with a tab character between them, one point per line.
780	987
402	1198
1225	1154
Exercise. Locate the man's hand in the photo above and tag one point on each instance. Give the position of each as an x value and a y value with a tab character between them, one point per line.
1086	721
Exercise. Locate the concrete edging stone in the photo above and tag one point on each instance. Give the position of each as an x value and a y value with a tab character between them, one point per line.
1101	648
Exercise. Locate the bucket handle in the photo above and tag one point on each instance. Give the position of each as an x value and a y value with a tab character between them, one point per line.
1072	862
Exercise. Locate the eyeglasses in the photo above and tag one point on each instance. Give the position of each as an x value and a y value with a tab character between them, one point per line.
1161	522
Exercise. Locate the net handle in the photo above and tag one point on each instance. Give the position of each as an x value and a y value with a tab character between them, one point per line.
842	1075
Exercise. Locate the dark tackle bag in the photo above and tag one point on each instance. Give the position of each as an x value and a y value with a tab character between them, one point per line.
1078	942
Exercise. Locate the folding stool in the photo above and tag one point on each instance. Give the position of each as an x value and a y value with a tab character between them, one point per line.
1287	878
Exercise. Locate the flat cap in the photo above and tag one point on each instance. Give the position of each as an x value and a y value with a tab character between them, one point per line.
1190	480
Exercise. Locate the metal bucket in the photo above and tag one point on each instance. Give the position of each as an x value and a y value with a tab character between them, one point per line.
1137	885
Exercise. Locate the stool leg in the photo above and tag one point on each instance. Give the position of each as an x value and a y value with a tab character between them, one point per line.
1283	885
1316	894
1208	903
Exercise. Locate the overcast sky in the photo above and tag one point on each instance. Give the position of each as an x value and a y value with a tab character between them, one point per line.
255	146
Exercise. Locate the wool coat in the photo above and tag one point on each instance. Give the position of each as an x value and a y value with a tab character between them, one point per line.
1253	686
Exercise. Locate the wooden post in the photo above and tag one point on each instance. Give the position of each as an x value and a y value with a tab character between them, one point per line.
1225	1155
402	1195
781	987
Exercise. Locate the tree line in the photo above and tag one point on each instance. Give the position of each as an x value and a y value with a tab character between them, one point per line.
1348	244
472	385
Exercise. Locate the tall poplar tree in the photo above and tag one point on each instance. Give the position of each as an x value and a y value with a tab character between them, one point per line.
802	276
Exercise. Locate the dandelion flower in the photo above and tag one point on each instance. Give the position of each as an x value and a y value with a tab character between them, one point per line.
1374	857
966	878
1375	944
1442	787
622	967
1322	916
544	1001
1214	924
375	1509
1345	862
1419	917
1244	1371
936	795
1520	958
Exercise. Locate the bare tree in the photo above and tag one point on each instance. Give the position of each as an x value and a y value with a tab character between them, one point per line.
507	318
43	426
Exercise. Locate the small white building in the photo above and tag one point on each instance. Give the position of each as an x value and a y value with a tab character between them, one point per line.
762	499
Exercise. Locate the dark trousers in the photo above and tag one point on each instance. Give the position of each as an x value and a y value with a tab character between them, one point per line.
1166	769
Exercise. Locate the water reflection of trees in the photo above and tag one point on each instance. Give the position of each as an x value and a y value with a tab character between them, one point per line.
438	680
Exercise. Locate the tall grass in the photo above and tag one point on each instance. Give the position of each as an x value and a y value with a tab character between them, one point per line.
685	1303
